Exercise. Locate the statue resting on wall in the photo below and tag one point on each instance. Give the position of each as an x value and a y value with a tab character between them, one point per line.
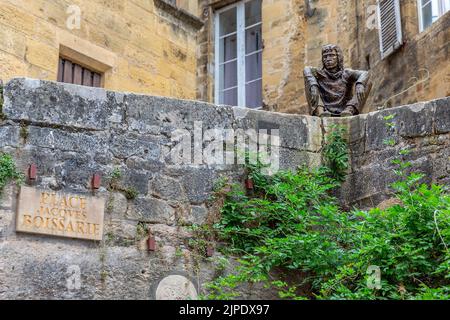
329	90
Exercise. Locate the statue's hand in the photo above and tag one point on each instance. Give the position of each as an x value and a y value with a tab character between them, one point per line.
360	92
314	95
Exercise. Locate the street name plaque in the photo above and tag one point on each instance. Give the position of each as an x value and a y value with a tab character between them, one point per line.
60	214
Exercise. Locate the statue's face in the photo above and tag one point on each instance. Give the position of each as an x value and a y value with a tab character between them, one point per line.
330	60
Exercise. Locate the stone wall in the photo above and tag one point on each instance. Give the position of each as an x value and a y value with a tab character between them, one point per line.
421	128
71	132
144	46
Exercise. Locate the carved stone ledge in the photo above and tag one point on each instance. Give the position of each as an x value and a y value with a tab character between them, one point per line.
179	13
218	4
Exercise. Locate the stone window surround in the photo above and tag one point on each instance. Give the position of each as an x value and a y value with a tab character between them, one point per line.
216	5
86	54
179	13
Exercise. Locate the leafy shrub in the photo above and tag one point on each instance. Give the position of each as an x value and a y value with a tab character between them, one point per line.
335	153
292	223
8	171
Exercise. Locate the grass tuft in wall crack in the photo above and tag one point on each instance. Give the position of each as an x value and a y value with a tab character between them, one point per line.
8	171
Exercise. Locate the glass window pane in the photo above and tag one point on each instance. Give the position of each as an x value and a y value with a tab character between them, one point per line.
227	21
253	66
427	15
435	6
252	12
228	75
228	48
253	39
229	97
253	93
446	5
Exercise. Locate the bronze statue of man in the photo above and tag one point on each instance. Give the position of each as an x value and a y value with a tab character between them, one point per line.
330	90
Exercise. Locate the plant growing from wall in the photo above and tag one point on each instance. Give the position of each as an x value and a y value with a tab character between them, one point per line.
335	153
23	131
130	193
8	171
141	231
114	184
291	223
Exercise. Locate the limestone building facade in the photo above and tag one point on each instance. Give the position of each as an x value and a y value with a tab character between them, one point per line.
143	46
249	53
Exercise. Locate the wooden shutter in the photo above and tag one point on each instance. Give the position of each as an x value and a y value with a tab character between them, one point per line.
390	26
77	74
70	72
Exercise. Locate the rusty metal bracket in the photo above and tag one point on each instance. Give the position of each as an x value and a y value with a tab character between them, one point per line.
32	172
96	181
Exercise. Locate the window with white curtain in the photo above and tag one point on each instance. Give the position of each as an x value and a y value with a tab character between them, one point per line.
238	53
431	10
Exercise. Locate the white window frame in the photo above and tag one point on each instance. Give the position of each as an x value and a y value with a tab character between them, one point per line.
442	11
398	27
241	72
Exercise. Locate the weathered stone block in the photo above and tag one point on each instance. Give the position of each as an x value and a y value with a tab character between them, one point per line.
416	120
41	55
7	197
127	145
75	170
197	215
378	132
355	127
291	159
63	140
78	106
120	232
198	183
6	222
135	179
170	234
116	205
9	136
363	183
166	188
171	114
152	165
296	132
12	42
409	122
151	210
442	115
